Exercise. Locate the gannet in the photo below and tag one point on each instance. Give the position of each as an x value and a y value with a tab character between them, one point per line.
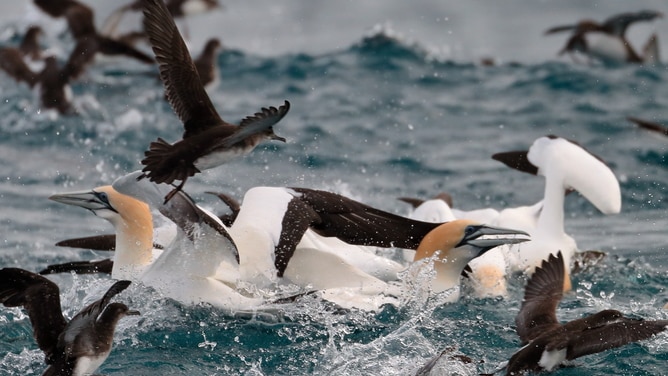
607	41
208	141
73	348
565	165
548	343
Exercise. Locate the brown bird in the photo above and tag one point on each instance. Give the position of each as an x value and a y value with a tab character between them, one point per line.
208	141
81	23
612	46
76	347
548	343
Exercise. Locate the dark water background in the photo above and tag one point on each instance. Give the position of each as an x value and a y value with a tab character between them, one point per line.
387	100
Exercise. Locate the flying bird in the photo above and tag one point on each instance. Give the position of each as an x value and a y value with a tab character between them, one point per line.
208	141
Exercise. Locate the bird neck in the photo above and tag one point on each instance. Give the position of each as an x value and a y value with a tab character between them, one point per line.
551	218
449	263
134	246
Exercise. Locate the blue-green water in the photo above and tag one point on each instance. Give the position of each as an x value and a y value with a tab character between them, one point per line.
375	120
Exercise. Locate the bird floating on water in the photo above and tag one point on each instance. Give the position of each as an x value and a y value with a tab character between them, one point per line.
548	343
73	348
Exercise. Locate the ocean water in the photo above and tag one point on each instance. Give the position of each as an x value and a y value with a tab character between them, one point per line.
393	110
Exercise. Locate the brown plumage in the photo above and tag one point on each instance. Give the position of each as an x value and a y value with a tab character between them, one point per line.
88	335
208	140
549	343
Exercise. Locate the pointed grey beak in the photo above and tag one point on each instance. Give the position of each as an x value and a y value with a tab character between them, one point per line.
132	313
474	232
275	137
90	200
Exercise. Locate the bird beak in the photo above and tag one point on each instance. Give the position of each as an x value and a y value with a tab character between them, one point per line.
132	313
90	200
558	29
275	137
474	237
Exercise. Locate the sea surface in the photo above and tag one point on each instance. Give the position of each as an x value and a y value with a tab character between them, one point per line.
388	100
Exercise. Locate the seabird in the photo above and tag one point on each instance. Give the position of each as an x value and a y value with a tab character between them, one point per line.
206	64
208	141
607	41
89	42
177	8
77	347
548	343
265	246
649	125
15	61
566	166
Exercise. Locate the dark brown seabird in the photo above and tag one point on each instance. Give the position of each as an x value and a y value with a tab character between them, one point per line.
177	8
208	141
76	347
615	26
548	343
206	63
80	21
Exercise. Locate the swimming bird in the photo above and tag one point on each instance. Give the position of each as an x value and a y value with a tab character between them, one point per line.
607	41
208	141
649	125
77	347
566	166
89	42
548	343
265	246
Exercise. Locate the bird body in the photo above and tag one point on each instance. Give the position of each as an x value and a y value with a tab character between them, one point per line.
71	348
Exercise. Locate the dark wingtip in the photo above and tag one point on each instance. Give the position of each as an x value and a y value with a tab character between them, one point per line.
517	160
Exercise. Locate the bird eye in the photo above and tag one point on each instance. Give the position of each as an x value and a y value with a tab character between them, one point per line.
469	230
102	196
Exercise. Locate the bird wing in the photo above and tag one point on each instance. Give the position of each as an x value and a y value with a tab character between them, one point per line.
12	62
620	22
256	123
41	298
183	88
80	267
649	125
610	336
541	298
360	224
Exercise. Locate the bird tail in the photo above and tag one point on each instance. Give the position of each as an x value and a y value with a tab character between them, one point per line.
162	167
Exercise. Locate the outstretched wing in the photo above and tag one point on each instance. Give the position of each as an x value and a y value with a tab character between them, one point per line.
257	123
613	335
41	299
541	298
183	88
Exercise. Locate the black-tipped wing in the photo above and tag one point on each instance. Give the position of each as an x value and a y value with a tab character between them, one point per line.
613	335
542	295
41	299
80	267
183	88
98	242
257	123
618	24
357	223
649	125
517	160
